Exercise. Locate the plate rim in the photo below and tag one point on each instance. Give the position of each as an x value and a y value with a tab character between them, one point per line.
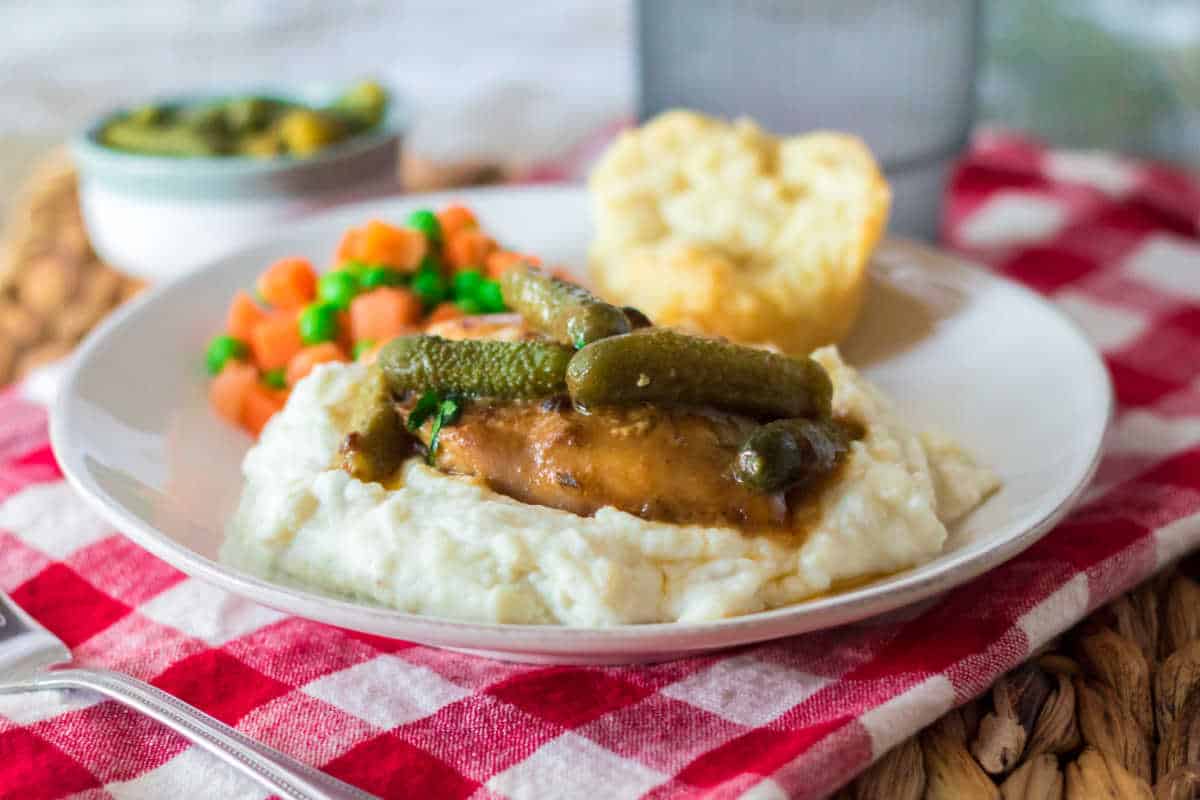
507	639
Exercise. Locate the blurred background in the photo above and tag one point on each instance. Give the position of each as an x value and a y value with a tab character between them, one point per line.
511	82
524	82
532	91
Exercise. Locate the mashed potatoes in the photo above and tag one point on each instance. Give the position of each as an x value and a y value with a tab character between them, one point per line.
451	547
723	228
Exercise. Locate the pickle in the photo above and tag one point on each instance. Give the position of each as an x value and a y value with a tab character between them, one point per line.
378	442
261	145
304	131
562	310
636	318
160	141
149	114
658	365
363	104
247	115
249	125
205	120
475	367
790	452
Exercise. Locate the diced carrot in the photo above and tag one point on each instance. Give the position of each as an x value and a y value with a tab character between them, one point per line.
227	392
498	262
275	340
402	248
454	218
303	362
384	314
244	315
444	311
288	283
351	246
468	248
260	404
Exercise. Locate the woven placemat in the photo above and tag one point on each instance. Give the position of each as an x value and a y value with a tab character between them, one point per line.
1107	711
53	287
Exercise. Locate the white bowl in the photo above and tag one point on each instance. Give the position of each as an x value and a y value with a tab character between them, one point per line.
985	360
158	216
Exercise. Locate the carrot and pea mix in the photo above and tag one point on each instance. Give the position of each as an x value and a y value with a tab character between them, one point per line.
388	281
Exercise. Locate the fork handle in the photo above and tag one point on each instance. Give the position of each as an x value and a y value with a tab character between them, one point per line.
282	774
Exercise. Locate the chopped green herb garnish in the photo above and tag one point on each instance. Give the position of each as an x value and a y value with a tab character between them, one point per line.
443	411
449	410
423	410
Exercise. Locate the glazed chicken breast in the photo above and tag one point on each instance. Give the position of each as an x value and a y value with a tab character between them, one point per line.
669	464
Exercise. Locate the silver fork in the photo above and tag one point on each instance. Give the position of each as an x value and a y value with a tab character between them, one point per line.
28	651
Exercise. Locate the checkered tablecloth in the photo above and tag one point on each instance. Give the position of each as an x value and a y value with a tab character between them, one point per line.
1112	242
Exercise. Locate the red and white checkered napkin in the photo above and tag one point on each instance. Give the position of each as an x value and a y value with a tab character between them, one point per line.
1113	242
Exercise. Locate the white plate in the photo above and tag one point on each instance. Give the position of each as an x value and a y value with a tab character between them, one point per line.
987	361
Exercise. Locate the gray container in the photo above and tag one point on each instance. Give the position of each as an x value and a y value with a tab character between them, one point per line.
899	74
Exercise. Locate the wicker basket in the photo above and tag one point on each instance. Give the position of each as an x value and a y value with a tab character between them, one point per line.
53	288
1107	711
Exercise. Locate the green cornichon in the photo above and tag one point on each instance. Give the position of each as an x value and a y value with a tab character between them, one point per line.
125	134
475	368
378	442
789	452
257	126
658	365
363	103
245	114
636	318
562	310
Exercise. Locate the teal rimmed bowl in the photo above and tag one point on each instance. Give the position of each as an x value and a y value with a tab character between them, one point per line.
157	216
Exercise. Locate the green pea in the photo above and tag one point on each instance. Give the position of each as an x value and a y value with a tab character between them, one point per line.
337	288
490	297
221	349
319	323
362	346
430	263
374	277
275	378
354	267
466	283
469	305
427	223
430	287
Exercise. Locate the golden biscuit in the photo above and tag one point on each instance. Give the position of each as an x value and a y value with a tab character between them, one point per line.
723	228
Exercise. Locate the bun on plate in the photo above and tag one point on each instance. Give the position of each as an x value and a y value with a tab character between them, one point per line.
722	228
